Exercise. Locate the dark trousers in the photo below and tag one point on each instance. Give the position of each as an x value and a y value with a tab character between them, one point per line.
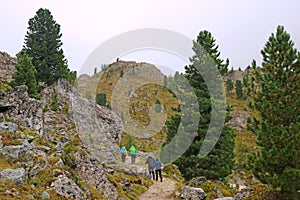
133	158
151	172
158	172
123	157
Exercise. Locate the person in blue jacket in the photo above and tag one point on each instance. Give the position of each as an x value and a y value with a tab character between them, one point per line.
158	166
123	152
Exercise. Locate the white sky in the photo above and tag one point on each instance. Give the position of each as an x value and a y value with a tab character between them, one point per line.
240	27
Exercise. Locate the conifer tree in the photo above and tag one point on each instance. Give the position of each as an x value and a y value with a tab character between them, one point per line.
43	44
101	99
275	89
25	73
238	89
229	85
219	162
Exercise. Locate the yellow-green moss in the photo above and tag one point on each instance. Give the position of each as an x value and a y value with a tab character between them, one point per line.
138	184
4	86
209	189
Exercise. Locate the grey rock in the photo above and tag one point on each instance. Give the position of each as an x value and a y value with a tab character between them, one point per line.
59	163
218	191
8	127
225	198
29	138
15	175
43	148
197	182
67	188
2	118
239	120
35	170
192	193
125	184
45	195
7	66
241	195
57	172
13	151
25	110
94	174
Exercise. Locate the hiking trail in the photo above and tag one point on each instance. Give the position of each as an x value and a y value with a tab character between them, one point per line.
159	190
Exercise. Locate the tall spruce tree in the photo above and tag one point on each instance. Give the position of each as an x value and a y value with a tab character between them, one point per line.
275	88
25	73
238	89
43	44
220	160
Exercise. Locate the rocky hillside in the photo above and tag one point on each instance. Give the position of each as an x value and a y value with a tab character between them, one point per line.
57	147
7	66
132	89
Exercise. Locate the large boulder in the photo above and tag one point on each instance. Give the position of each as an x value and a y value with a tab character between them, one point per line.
67	188
16	175
191	193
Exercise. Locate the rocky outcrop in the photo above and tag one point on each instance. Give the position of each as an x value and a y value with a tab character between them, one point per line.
67	187
99	128
191	193
94	174
239	120
7	66
57	120
27	111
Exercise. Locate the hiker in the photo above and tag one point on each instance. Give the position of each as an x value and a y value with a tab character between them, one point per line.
123	152
151	166
132	153
158	166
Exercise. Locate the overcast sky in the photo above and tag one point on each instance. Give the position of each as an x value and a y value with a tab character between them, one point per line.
240	27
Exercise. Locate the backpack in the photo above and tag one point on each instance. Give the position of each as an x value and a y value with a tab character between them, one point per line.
132	150
122	150
152	162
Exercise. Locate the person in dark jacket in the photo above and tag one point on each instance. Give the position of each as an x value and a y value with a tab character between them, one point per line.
158	166
151	166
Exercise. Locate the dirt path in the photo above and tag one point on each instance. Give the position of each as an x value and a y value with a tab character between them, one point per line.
160	190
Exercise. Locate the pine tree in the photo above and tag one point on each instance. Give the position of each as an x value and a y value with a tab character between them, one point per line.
121	73
275	88
229	85
220	160
101	99
238	89
25	73
43	44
